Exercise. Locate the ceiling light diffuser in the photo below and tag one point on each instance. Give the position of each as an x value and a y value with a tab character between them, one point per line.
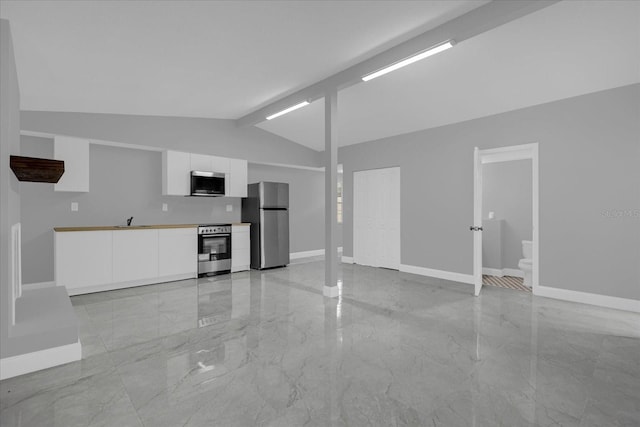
410	60
288	110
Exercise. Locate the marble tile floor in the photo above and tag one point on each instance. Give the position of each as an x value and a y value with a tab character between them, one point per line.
267	349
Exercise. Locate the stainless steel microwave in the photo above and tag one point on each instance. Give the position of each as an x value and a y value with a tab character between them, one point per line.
207	184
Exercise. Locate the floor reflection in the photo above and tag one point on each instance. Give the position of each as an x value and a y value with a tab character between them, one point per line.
266	348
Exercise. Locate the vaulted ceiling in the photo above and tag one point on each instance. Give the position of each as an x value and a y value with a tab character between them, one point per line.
226	59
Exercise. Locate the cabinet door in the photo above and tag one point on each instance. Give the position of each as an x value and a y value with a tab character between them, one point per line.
135	255
240	248
83	258
177	251
237	178
176	167
75	154
201	162
220	164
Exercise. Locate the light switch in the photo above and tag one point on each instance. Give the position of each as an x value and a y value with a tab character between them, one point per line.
165	207
74	206
229	208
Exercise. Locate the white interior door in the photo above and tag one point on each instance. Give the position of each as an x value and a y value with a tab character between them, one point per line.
376	218
476	228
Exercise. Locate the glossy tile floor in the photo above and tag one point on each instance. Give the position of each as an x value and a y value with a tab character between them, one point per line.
396	349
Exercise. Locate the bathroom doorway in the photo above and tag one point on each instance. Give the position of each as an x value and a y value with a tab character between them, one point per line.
501	268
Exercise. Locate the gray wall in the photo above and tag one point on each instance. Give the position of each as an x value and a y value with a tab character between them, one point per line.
123	183
9	186
507	191
589	189
306	211
206	136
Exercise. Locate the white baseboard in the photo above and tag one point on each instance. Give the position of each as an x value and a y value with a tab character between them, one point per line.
307	254
513	272
440	274
347	259
38	285
492	272
123	285
588	298
330	291
30	362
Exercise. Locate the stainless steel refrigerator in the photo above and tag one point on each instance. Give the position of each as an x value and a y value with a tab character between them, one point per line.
267	209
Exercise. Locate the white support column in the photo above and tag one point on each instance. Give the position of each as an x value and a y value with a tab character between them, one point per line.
331	193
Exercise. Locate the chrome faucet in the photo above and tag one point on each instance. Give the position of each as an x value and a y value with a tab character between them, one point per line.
129	220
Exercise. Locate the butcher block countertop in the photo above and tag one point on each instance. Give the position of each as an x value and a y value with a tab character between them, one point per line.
124	227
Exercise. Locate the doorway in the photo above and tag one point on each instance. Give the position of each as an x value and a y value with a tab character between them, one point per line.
496	155
376	218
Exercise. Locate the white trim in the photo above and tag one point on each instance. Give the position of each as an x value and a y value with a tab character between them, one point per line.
492	272
307	254
625	304
38	285
519	152
284	165
347	259
331	291
16	268
93	141
513	272
152	148
132	284
440	274
24	363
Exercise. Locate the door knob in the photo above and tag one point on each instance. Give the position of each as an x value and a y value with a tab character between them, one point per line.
474	228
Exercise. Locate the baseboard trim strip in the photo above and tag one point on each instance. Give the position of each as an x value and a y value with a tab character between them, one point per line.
439	274
30	362
625	304
307	254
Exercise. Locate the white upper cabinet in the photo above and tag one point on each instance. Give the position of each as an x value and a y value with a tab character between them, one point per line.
176	169
75	154
237	186
219	164
201	162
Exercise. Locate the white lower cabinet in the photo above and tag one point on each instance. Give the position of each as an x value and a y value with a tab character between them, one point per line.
177	249
135	255
83	259
94	261
240	248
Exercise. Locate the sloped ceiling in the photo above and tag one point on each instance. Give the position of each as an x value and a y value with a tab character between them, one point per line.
227	59
567	49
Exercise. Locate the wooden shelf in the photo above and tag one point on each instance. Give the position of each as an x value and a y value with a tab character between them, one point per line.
33	169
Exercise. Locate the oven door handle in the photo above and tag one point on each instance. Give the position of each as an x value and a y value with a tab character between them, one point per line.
216	235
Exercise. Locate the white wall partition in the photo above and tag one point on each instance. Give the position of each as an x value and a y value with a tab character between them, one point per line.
376	217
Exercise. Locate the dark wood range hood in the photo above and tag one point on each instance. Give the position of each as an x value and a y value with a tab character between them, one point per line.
33	169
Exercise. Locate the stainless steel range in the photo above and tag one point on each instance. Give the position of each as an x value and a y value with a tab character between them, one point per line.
214	249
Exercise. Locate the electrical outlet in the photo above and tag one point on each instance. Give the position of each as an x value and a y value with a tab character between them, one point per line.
74	206
229	208
165	207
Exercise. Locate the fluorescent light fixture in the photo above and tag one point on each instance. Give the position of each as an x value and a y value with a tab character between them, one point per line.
410	60
287	110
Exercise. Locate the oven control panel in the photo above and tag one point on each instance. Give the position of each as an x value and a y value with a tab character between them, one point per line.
214	229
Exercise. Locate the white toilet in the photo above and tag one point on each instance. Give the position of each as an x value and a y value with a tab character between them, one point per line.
526	264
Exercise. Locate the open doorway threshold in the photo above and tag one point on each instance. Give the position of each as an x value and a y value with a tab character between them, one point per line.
509	282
